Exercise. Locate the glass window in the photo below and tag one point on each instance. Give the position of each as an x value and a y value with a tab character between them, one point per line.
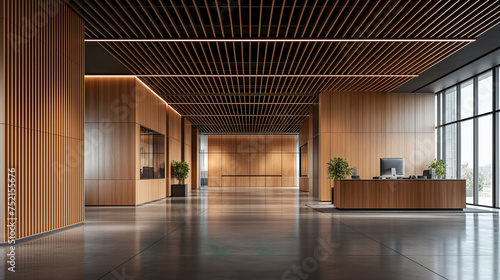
467	158
467	99
451	151
457	116
485	93
436	111
450	101
485	159
152	154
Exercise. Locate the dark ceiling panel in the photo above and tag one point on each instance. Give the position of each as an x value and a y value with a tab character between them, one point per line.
231	76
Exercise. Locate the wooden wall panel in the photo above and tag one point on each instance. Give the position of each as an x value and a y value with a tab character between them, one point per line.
273	181
345	112
304	132
400	112
174	153
186	149
117	192
242	164
175	145
42	115
187	158
257	164
325	113
214	143
242	144
114	100
187	132
303	160
273	144
228	143
228	181
289	144
289	181
372	109
214	169
258	181
366	126
324	156
289	165
149	190
91	192
174	124
346	145
253	167
112	141
117	153
371	149
425	151
304	184
273	163
92	99
242	181
402	145
195	152
91	151
425	112
228	164
151	111
257	144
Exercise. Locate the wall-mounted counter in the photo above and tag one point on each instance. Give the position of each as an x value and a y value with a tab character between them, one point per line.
399	194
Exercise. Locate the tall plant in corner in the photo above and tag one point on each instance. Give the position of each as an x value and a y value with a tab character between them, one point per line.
338	168
181	170
439	166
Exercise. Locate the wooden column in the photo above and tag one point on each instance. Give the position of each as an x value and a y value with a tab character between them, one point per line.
42	115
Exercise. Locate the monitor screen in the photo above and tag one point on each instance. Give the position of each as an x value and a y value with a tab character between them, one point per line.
387	163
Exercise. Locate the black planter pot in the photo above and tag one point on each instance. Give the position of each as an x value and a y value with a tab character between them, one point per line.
179	190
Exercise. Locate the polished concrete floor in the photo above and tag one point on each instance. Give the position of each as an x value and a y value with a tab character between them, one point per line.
260	233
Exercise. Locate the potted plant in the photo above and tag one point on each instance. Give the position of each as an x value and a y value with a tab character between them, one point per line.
338	168
439	166
180	172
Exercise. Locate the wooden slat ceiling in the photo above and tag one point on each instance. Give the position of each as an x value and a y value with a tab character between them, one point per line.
260	87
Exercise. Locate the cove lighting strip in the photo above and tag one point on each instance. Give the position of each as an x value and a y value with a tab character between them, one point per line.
267	40
246	115
133	76
242	103
263	76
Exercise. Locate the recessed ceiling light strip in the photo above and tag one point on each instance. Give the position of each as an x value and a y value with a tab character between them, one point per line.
267	40
261	76
245	115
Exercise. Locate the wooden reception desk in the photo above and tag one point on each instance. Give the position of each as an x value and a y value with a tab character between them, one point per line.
399	194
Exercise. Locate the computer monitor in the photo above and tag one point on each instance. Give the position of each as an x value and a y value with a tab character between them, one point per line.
392	167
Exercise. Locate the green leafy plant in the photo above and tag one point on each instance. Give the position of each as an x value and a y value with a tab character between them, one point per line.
439	166
181	170
338	168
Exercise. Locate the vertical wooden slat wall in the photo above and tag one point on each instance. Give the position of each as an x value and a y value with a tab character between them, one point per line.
365	126
42	119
